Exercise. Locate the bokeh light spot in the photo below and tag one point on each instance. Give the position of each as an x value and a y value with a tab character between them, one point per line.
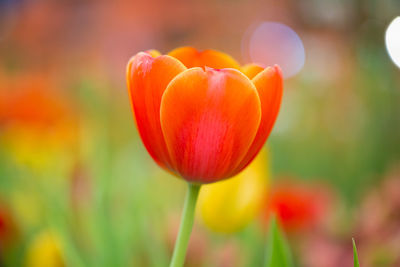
392	39
272	43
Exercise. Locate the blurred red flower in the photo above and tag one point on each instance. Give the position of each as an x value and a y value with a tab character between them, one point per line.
8	227
297	205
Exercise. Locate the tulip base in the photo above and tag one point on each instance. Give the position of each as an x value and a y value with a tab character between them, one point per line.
185	228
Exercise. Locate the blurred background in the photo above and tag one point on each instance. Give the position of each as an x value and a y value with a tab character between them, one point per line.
77	187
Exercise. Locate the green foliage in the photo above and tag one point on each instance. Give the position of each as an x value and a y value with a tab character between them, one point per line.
278	251
356	263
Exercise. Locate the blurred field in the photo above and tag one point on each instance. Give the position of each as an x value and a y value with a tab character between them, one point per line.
77	187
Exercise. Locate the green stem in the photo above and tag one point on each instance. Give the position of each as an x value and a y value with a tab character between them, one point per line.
185	229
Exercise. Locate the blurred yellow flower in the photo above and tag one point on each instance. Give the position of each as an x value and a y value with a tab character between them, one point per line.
45	251
36	149
229	205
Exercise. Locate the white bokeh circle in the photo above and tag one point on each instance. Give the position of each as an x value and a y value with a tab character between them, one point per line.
392	40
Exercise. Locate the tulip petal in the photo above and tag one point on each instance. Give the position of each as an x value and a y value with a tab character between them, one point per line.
269	84
251	70
209	119
191	57
153	53
147	79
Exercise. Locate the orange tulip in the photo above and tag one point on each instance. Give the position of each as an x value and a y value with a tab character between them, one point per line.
198	115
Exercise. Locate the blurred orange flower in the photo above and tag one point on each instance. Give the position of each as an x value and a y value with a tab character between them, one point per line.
35	119
29	101
198	115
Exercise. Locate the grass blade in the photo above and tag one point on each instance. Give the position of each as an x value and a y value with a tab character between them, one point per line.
278	251
355	255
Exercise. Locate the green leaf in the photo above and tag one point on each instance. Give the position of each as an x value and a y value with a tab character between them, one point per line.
355	256
278	251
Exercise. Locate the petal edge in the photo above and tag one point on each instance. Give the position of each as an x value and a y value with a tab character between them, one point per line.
147	79
191	57
269	84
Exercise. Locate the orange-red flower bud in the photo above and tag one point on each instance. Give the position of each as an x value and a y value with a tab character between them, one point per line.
198	115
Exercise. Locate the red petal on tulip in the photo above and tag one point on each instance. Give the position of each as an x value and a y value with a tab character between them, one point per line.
269	84
191	57
147	79
251	70
209	119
